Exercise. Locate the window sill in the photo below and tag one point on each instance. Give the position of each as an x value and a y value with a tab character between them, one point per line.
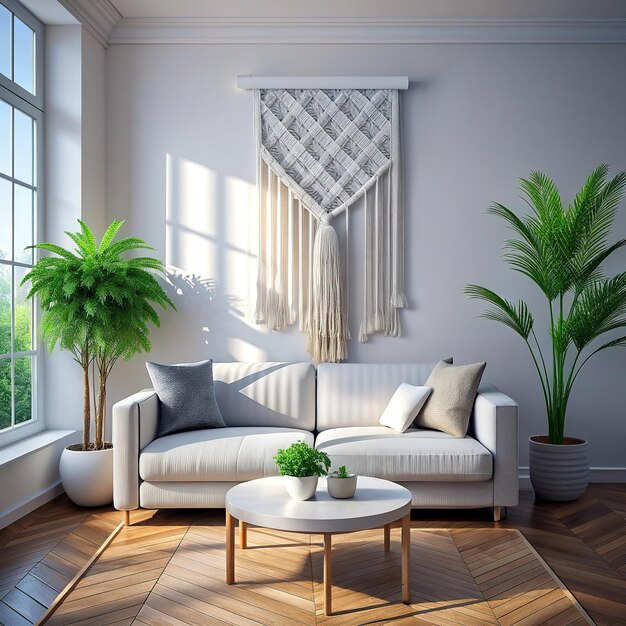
28	445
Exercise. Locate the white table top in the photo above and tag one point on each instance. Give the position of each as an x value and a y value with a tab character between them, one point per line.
265	502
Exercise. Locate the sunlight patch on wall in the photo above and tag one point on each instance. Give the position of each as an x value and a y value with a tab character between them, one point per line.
241	233
212	232
192	226
244	351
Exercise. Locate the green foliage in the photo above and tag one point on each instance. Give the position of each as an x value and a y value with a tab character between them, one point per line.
21	365
562	250
97	304
342	472
300	459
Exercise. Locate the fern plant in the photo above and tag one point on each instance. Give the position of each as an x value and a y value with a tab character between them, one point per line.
99	305
562	250
300	459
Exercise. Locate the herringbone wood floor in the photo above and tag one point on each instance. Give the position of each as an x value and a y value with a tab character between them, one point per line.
461	576
168	569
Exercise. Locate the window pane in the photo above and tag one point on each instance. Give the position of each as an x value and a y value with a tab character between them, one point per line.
5	41
5	393
23	55
6	220
5	309
23	389
23	313
23	147
5	137
23	216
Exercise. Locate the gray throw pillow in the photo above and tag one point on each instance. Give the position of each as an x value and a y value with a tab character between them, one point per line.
449	406
187	396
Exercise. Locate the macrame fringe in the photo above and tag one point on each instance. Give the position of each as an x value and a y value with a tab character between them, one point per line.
286	234
327	331
300	273
381	299
398	299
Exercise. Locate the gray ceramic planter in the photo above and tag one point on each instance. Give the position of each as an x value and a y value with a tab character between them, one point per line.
341	488
559	472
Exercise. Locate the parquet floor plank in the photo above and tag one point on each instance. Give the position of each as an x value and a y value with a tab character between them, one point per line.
51	577
9	617
23	604
150	616
38	590
125	616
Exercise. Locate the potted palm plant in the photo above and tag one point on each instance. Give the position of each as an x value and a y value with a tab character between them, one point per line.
300	465
562	251
98	305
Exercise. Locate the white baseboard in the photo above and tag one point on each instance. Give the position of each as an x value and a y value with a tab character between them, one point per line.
598	475
25	507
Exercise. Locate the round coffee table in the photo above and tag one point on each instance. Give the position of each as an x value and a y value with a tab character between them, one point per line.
264	502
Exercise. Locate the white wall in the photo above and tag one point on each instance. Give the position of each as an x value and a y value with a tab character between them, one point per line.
62	206
180	169
93	134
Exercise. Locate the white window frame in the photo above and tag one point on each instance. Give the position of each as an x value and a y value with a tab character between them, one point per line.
31	105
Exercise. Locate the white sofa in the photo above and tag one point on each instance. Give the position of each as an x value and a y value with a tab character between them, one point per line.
267	406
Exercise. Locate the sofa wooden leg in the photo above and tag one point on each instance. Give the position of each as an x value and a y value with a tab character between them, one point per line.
126	518
497	513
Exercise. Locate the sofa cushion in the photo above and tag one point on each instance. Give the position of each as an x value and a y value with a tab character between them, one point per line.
222	454
449	406
404	405
187	396
415	455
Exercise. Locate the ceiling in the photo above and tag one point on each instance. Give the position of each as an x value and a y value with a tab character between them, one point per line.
50	12
372	8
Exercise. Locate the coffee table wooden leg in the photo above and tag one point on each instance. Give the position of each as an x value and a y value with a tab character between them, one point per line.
406	558
328	573
230	549
243	535
387	537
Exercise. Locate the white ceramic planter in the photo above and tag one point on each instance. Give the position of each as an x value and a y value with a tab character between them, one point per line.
341	488
87	477
300	487
559	472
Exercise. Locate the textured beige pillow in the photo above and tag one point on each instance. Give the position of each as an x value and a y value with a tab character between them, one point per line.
449	406
404	405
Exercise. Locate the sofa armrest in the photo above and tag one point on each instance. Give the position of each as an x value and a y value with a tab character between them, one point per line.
494	424
135	423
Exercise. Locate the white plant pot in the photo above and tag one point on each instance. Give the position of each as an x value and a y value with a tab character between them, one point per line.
341	488
300	487
87	476
559	472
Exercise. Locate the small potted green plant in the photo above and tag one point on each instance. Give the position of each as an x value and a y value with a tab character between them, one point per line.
301	466
341	483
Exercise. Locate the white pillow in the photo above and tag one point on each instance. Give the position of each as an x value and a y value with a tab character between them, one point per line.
404	406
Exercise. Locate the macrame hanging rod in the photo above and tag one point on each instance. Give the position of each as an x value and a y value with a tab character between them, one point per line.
248	81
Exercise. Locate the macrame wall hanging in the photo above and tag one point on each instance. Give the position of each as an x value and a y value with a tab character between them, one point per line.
320	149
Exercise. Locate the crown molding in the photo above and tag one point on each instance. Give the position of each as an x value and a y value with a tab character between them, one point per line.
366	30
99	17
